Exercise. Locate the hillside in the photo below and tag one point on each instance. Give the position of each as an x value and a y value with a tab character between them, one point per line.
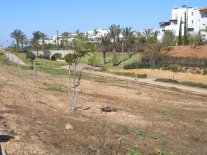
186	51
37	117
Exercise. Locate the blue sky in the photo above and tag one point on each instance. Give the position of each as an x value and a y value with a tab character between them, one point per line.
49	16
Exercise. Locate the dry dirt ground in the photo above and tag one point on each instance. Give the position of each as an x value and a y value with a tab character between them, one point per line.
39	119
186	51
169	74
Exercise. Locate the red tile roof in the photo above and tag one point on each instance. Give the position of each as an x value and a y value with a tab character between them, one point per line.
203	9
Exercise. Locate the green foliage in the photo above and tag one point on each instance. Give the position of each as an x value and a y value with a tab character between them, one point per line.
163	112
199	85
180	33
93	60
30	56
155	136
168	39
70	58
174	67
161	152
140	133
133	152
195	39
131	74
125	129
56	56
162	141
205	72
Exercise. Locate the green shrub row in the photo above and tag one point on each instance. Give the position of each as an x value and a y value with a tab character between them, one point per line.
199	85
131	74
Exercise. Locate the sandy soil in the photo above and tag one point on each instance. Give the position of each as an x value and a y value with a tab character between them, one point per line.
186	51
39	119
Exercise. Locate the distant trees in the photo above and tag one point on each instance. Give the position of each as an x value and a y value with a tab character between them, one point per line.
37	35
105	42
128	38
195	39
19	37
168	39
114	33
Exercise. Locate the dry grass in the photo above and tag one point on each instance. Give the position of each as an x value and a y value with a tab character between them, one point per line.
40	117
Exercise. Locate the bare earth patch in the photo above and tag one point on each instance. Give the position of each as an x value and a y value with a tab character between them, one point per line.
40	121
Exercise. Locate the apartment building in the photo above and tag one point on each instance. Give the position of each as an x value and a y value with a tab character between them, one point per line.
196	21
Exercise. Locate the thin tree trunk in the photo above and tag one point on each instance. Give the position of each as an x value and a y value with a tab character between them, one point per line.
122	50
114	55
69	71
35	72
104	56
74	90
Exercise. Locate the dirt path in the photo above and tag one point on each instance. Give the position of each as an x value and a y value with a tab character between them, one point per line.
150	80
13	58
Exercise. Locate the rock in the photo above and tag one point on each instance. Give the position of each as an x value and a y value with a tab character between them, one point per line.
17	138
68	127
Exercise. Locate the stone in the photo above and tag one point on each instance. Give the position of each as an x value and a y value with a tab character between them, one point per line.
68	127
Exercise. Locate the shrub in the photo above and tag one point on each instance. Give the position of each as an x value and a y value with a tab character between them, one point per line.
56	56
131	74
205	72
30	56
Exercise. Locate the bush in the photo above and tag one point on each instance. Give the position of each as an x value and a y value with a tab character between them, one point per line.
131	74
30	56
200	85
56	56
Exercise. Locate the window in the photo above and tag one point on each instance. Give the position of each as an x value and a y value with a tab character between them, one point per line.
190	29
192	13
192	21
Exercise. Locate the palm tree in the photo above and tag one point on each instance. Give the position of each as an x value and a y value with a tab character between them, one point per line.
114	32
17	34
128	37
22	39
37	35
147	33
105	41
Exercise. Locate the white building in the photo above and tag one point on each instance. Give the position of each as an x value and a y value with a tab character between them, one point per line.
95	35
196	21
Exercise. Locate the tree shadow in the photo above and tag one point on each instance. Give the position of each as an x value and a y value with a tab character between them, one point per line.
5	138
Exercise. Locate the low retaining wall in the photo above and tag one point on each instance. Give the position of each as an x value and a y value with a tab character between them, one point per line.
50	53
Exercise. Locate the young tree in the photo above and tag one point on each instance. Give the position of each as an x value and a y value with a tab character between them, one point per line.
180	33
174	69
81	47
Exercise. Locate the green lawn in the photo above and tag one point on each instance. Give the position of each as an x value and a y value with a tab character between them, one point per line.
99	58
199	85
41	62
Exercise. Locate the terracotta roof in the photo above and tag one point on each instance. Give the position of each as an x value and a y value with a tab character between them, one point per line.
203	9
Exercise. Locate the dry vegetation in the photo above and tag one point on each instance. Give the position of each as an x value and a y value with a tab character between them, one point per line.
39	119
186	51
